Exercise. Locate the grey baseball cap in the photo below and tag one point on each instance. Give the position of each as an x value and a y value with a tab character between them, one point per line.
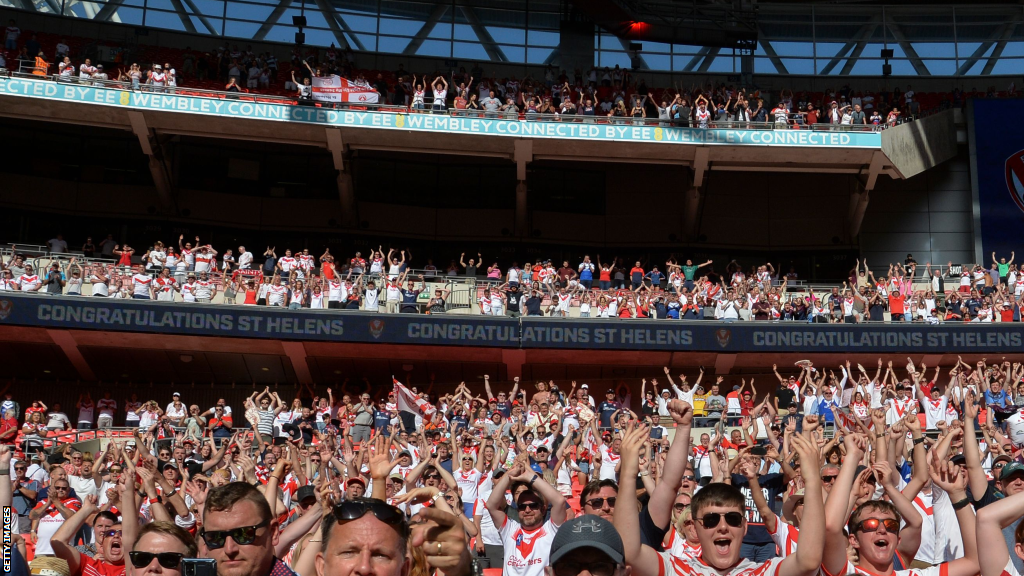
587	531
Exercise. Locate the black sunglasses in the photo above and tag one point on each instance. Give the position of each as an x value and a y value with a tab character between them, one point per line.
829	478
242	536
711	520
525	506
690	478
599	502
169	560
358	507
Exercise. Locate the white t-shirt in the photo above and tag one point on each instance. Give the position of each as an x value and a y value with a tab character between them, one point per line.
83	486
469	483
140	285
57	420
49	524
244	260
107	406
785	537
934	411
1015	427
671	566
86	412
371	300
176	413
608	462
933	571
526	552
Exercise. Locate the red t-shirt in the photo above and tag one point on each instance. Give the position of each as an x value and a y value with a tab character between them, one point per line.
6	426
895	304
94	567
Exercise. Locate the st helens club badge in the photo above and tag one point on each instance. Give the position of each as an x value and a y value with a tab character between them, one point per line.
1015	177
376	327
5	309
723	335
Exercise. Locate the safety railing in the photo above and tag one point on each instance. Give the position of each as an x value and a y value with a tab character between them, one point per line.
794	120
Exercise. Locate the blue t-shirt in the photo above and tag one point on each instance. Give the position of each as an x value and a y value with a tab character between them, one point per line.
655	277
995	399
825	409
673	309
381	419
606	409
586	271
771	486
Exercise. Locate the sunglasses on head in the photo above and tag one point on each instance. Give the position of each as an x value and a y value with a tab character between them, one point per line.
243	536
872	525
599	502
711	520
357	508
169	560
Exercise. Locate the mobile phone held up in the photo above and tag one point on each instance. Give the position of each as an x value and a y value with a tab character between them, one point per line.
198	567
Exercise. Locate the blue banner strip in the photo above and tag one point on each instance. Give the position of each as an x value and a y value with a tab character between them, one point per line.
486	331
431	123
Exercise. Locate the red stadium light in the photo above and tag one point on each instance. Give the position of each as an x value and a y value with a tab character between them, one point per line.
639	28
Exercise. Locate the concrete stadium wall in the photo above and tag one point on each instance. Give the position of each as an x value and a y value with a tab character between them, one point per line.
929	216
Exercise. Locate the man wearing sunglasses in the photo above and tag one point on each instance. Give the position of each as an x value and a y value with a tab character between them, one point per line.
159	550
53	510
874	526
527	543
240	533
112	559
719	510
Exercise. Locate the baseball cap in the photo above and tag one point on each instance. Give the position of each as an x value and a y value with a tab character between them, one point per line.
1011	469
178	394
610	391
357	480
959	459
304	492
168	465
398	477
194	468
588	532
495	400
1003	457
585	387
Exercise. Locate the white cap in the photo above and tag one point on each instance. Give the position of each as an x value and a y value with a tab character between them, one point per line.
178	394
585	386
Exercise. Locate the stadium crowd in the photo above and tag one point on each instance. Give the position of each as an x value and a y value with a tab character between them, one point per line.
617	93
385	281
901	471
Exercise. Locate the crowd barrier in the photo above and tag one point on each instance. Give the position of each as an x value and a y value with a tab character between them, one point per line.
378	116
499	332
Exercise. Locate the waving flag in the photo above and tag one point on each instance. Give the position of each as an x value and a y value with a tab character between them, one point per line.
338	89
409	402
